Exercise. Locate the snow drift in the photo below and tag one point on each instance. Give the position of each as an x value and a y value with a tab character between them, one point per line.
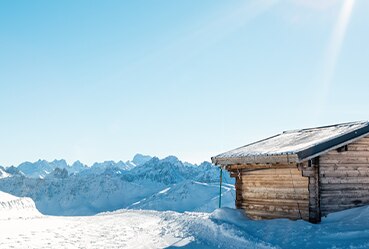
15	207
229	228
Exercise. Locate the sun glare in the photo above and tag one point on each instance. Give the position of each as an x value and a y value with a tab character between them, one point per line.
334	49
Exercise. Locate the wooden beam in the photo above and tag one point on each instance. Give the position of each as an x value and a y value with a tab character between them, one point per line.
314	190
255	167
263	159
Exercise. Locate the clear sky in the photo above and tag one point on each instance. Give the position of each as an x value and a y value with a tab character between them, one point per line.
103	80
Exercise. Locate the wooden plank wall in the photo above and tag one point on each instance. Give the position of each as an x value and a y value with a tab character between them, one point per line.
277	192
311	170
344	177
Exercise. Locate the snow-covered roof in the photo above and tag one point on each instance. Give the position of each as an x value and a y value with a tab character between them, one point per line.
295	145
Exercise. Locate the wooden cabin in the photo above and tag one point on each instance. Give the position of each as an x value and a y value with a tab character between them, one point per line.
302	174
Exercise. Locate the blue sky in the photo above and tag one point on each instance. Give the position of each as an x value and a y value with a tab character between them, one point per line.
103	80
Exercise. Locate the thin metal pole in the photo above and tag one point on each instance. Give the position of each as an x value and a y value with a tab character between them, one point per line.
220	188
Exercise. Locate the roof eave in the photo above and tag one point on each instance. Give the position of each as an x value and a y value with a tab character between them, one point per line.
332	144
260	159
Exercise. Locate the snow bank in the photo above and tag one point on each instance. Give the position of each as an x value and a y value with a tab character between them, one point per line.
15	207
229	228
206	232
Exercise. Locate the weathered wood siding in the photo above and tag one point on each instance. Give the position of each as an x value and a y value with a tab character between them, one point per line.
311	170
275	192
344	177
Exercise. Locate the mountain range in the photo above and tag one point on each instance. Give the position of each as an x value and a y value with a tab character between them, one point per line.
144	182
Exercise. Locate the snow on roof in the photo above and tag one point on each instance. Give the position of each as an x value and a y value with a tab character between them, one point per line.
298	142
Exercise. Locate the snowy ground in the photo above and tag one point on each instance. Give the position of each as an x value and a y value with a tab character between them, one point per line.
122	229
224	228
125	230
22	226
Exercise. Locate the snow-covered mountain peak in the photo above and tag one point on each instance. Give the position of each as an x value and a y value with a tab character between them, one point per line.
58	173
104	164
98	168
166	171
59	162
38	169
78	166
140	159
78	163
171	159
14	171
206	165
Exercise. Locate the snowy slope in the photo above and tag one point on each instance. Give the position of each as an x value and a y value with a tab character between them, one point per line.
224	228
3	173
188	196
15	207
